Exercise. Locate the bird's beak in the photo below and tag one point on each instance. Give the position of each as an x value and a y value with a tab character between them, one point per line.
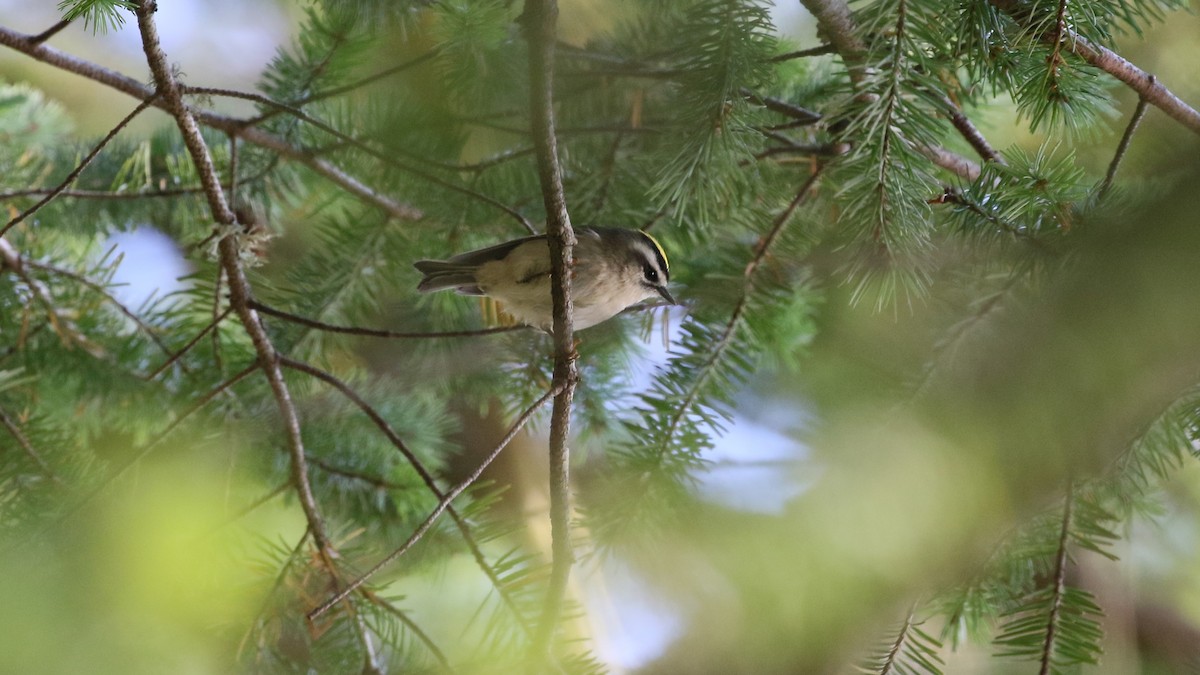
662	290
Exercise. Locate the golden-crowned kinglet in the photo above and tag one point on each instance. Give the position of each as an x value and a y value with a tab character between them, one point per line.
614	268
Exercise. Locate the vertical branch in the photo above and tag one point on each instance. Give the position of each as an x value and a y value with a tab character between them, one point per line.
540	19
1138	113
1060	581
239	296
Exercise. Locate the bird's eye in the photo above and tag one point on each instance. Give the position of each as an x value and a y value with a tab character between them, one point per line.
651	273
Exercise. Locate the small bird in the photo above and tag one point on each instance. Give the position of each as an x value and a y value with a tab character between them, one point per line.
613	269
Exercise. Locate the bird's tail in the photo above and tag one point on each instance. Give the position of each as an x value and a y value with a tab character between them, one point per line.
441	275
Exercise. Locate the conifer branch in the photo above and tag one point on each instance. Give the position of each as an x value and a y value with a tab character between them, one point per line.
1146	85
380	155
970	133
426	476
83	164
412	626
253	505
442	505
893	653
239	287
50	32
59	320
1060	582
539	20
22	440
211	326
347	88
374	332
121	82
1126	139
820	50
142	452
836	22
725	339
150	331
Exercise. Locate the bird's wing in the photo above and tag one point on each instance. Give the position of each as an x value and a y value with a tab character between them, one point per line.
497	252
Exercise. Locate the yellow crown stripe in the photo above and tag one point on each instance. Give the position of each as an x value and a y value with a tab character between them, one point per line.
661	252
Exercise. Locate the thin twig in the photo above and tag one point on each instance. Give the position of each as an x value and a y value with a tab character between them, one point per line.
1060	581
50	32
63	61
212	325
380	155
142	452
422	471
1138	113
412	626
970	132
373	481
1146	85
683	410
804	53
372	332
249	508
540	25
239	288
31	452
83	164
347	88
99	288
802	116
63	326
441	507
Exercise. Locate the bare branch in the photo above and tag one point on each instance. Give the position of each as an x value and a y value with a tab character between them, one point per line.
426	477
805	53
970	132
141	453
50	32
373	152
212	325
1146	85
372	332
837	25
952	162
1126	138
232	125
146	102
540	24
99	288
441	507
59	321
239	288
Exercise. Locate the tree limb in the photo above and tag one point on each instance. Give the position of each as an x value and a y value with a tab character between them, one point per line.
1146	85
374	332
147	101
539	21
449	496
232	125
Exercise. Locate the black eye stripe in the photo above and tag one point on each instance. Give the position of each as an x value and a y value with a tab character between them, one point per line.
656	254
